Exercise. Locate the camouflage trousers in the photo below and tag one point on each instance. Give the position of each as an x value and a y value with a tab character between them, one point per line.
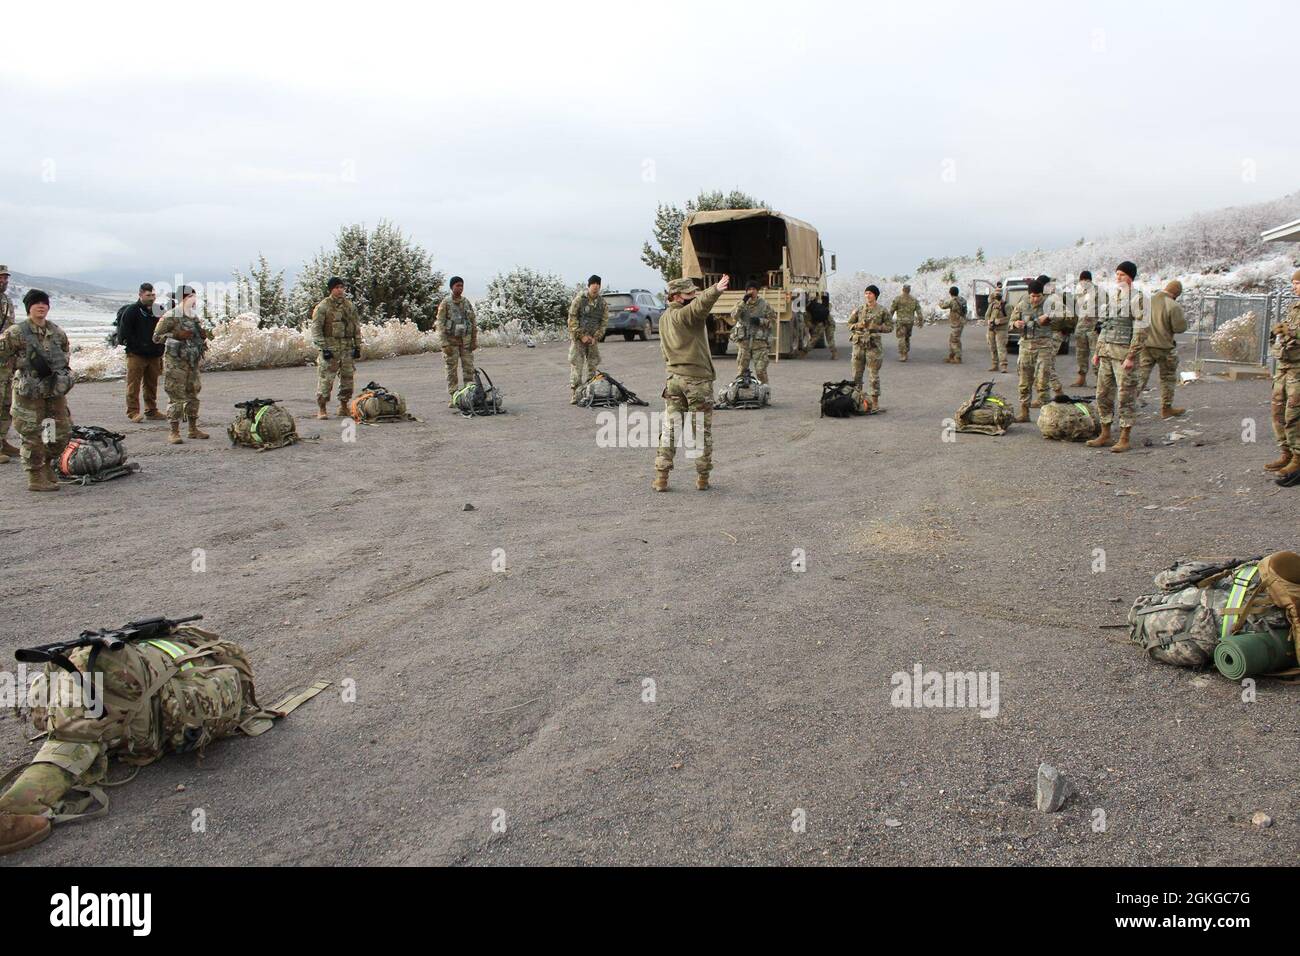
584	362
903	332
869	358
41	442
954	342
1167	361
1037	370
343	366
181	382
460	355
1286	408
1085	344
759	354
6	399
687	398
1115	383
997	337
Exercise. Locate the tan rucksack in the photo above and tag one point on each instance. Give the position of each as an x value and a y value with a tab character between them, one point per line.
262	424
985	413
378	404
1068	419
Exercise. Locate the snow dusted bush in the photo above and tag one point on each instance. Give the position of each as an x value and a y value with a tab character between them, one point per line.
388	275
535	301
1237	340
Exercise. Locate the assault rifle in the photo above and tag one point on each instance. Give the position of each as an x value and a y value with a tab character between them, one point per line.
253	404
102	639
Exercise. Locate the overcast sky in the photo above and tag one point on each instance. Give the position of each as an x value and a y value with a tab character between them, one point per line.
142	139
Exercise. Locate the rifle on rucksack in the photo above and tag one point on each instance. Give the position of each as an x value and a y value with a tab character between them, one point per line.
102	639
253	404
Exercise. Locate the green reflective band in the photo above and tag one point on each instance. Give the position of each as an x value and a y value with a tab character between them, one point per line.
171	650
257	420
1240	583
994	400
1083	408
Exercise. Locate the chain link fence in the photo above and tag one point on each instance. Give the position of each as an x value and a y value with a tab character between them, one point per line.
1242	322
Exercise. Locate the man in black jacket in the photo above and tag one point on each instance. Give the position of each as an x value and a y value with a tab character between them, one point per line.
143	356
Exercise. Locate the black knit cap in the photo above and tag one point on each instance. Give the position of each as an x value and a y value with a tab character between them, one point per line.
334	282
1128	268
1035	287
34	297
454	280
954	291
1085	276
593	280
874	290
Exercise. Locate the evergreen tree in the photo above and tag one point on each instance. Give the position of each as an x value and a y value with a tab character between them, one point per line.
665	256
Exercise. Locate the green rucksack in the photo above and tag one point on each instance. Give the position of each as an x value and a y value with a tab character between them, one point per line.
985	413
262	424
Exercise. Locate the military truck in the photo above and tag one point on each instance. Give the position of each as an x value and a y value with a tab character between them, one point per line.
783	254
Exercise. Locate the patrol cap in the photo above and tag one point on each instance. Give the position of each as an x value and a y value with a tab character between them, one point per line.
33	297
1295	276
907	288
4	270
334	281
185	291
681	286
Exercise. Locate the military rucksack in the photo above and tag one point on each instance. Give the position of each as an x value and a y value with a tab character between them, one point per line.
603	390
377	404
745	392
262	424
474	398
1199	604
1069	419
985	413
844	400
94	454
167	687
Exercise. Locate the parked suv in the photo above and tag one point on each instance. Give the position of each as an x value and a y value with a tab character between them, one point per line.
634	313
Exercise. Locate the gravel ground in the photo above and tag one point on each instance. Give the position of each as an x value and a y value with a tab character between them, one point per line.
518	696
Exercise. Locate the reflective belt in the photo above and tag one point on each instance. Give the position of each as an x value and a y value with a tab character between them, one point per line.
257	420
1083	408
171	650
1240	585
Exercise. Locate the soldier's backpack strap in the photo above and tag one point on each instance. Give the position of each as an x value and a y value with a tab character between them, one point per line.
262	721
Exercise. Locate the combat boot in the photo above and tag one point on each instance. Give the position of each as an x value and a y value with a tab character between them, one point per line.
1100	440
194	430
154	415
1168	411
37	481
835	355
1024	412
993	367
8	449
1122	445
4	459
342	410
573	396
135	417
702	482
661	481
956	360
1079	380
1291	469
18	831
1003	369
1282	462
321	411
902	358
49	472
1036	403
175	436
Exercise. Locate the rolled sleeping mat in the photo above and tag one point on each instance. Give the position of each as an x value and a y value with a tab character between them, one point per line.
1253	653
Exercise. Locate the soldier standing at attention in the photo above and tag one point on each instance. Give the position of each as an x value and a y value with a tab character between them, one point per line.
1286	393
866	323
6	370
38	350
1089	304
1036	344
956	307
336	333
998	332
906	312
458	328
684	341
1156	348
588	318
185	340
751	330
1115	360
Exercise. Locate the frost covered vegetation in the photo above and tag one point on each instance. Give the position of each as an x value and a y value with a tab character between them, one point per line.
1218	251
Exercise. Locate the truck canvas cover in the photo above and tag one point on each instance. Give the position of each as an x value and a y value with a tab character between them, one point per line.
755	243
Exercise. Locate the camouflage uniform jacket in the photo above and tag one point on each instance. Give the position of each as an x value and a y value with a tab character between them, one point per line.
188	351
16	347
1127	314
956	307
1089	305
588	316
6	319
752	322
1025	311
997	315
456	321
335	325
866	323
905	309
1286	341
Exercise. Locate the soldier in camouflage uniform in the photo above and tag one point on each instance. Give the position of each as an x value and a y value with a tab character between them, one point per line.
336	333
751	330
818	321
866	323
1089	306
999	325
185	342
38	350
956	307
6	371
1157	348
458	327
588	319
906	313
1116	359
1061	324
1286	393
684	341
1030	319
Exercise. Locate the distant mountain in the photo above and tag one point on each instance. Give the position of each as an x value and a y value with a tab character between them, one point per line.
60	286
